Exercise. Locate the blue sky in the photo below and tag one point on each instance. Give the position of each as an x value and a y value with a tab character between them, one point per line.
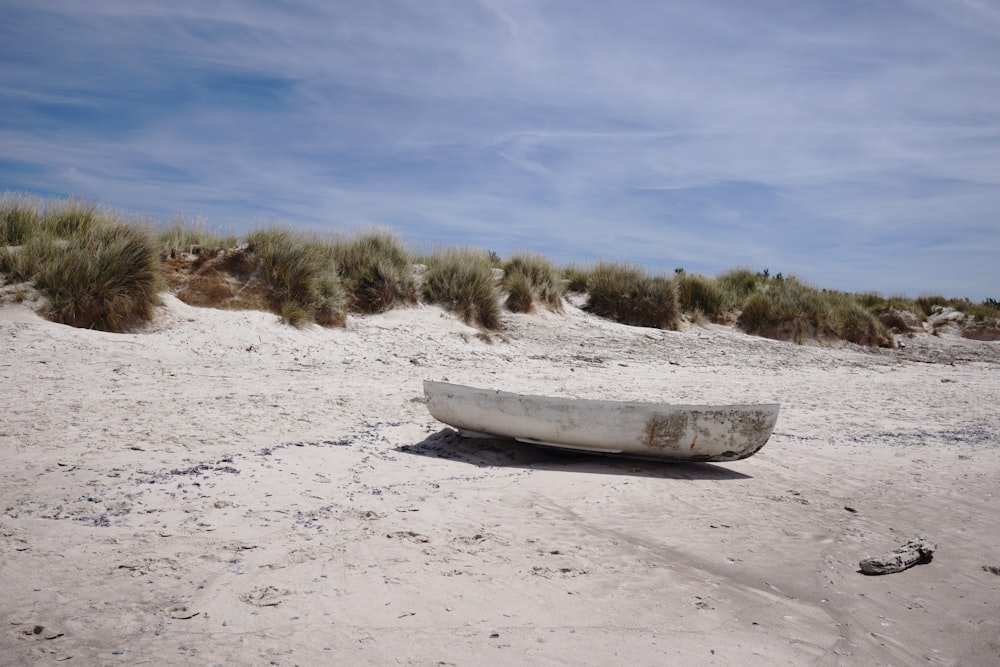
855	144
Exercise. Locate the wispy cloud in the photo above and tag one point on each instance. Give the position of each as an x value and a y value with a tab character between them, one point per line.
854	144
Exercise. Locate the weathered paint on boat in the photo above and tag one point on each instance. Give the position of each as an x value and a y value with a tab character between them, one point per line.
656	430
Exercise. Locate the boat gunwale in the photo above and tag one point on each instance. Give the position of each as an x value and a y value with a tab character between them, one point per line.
642	405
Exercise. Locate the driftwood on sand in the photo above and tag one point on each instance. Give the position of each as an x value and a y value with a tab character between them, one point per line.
915	551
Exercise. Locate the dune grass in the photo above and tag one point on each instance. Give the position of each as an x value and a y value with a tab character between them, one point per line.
530	279
791	310
462	280
20	263
575	277
20	218
377	271
300	275
703	297
105	277
100	269
626	294
193	238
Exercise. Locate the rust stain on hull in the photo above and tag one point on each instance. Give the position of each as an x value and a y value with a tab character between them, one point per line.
666	431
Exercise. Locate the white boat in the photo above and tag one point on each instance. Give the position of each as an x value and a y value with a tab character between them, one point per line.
648	430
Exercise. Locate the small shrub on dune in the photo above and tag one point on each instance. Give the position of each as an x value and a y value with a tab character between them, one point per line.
294	314
853	323
985	312
72	217
20	264
785	312
531	278
626	294
461	280
184	238
520	296
300	274
928	302
575	277
106	277
376	270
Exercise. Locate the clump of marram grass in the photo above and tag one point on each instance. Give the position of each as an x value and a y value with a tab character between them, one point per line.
462	280
575	277
737	284
377	271
701	296
986	311
791	310
300	275
105	276
72	217
95	272
626	294
20	218
899	314
530	278
20	263
183	238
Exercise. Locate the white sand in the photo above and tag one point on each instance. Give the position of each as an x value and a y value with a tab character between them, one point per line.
228	490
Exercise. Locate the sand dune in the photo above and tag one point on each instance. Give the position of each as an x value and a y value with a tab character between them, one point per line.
223	489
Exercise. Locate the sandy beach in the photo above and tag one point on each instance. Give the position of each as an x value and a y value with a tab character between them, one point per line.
225	489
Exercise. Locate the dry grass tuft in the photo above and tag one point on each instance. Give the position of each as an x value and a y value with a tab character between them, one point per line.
791	310
376	270
626	294
193	239
575	277
20	218
94	268
461	279
520	296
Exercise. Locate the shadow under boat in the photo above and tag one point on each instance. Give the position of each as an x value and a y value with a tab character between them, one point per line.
501	452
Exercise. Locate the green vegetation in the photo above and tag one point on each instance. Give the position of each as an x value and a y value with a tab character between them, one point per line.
184	237
530	278
96	268
106	277
377	271
462	280
703	297
575	277
626	294
300	276
20	218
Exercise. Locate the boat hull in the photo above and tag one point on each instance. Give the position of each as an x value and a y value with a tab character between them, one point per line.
651	430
